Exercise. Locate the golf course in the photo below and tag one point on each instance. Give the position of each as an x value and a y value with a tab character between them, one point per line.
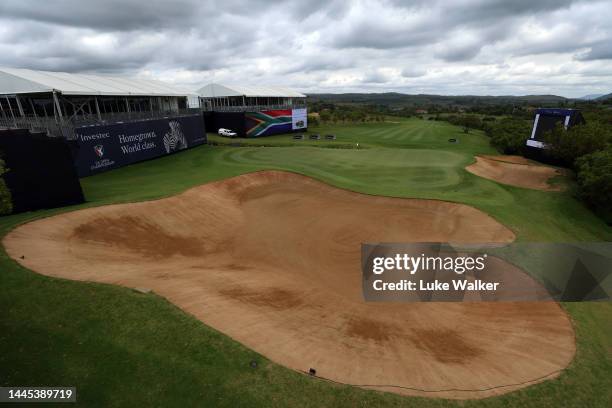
121	347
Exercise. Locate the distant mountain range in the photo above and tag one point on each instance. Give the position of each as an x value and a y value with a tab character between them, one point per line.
591	97
604	97
399	99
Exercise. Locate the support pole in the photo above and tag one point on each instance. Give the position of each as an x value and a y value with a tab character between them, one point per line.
58	108
11	110
98	109
34	111
19	106
33	108
2	110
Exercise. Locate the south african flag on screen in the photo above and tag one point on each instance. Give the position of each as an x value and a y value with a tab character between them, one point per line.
268	122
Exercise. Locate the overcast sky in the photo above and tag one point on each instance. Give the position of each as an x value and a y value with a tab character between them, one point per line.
481	47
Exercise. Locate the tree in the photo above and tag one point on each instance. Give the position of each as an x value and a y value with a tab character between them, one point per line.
594	177
568	145
508	135
325	116
471	122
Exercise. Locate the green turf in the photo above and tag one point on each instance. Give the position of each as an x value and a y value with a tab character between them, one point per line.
121	348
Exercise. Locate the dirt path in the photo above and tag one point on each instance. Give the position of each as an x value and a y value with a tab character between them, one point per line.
272	259
515	171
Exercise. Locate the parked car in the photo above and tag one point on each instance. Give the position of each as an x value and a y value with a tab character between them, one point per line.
226	132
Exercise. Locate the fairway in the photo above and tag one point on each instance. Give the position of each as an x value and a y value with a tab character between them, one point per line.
106	340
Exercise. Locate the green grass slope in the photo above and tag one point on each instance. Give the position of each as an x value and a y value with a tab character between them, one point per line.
122	348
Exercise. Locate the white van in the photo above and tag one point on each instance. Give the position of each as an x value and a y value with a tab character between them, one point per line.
226	132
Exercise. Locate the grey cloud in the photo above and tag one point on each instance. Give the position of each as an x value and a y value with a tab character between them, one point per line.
321	45
413	72
601	50
375	77
377	34
108	14
484	11
459	53
317	64
436	22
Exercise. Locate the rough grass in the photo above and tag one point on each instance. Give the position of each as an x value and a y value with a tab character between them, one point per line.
122	348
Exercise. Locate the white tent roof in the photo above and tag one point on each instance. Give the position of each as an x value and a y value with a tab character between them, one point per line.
20	81
217	90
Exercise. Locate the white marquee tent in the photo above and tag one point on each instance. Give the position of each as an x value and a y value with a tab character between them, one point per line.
42	100
217	90
27	81
239	97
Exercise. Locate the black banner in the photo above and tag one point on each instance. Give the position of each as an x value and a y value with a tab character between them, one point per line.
41	172
106	147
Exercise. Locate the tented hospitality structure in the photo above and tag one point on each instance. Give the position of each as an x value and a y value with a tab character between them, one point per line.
253	111
239	97
56	102
110	121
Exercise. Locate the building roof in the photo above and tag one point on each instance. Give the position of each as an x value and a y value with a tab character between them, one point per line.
24	81
218	90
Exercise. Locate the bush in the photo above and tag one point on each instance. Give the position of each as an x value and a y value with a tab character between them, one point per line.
313	120
325	116
6	203
569	145
509	135
467	122
594	177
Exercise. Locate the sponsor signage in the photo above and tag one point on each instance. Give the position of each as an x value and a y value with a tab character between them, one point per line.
299	119
106	147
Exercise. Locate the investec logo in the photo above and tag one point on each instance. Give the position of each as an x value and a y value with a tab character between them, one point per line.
95	136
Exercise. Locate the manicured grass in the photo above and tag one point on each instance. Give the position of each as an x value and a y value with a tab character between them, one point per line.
122	348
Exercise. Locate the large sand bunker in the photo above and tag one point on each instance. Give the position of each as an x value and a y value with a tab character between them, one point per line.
272	259
515	171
